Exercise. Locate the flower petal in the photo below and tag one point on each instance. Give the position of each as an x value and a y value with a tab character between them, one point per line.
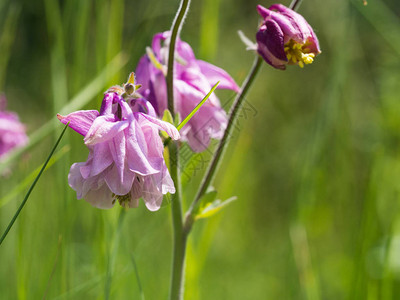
119	186
102	158
270	45
165	126
117	148
80	121
101	197
142	73
136	152
103	129
152	196
215	74
264	12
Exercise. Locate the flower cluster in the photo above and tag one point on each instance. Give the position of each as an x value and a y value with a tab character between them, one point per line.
125	160
285	37
12	132
193	79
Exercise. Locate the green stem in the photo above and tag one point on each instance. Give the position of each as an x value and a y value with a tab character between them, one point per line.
175	31
295	4
31	188
178	261
179	249
224	141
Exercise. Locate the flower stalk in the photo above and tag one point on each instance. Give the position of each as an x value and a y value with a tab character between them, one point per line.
182	230
224	141
179	248
175	31
295	4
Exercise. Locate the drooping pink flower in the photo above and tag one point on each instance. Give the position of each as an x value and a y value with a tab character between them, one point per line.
285	37
12	131
193	79
125	160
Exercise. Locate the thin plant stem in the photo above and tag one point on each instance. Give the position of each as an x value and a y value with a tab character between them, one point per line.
179	248
224	141
175	31
295	4
189	219
32	186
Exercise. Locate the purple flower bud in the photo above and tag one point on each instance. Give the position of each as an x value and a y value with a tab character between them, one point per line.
285	37
125	160
193	79
12	132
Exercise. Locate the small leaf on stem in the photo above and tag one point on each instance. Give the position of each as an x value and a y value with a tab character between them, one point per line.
212	208
183	123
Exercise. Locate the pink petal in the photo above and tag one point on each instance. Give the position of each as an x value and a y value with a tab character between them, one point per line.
117	185
102	158
101	197
80	121
117	147
103	129
165	126
271	37
137	152
142	73
152	196
264	13
215	74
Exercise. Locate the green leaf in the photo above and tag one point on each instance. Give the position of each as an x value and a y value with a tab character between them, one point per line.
177	119
212	208
183	123
167	117
206	199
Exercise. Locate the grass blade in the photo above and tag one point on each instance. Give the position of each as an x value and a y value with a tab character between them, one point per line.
137	277
7	37
32	186
18	188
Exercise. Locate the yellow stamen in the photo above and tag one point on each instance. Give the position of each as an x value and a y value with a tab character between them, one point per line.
299	54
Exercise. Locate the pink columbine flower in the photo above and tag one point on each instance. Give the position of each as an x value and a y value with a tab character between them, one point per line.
193	79
125	160
12	131
285	37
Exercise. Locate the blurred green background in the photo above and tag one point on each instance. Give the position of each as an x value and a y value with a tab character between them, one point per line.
315	160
